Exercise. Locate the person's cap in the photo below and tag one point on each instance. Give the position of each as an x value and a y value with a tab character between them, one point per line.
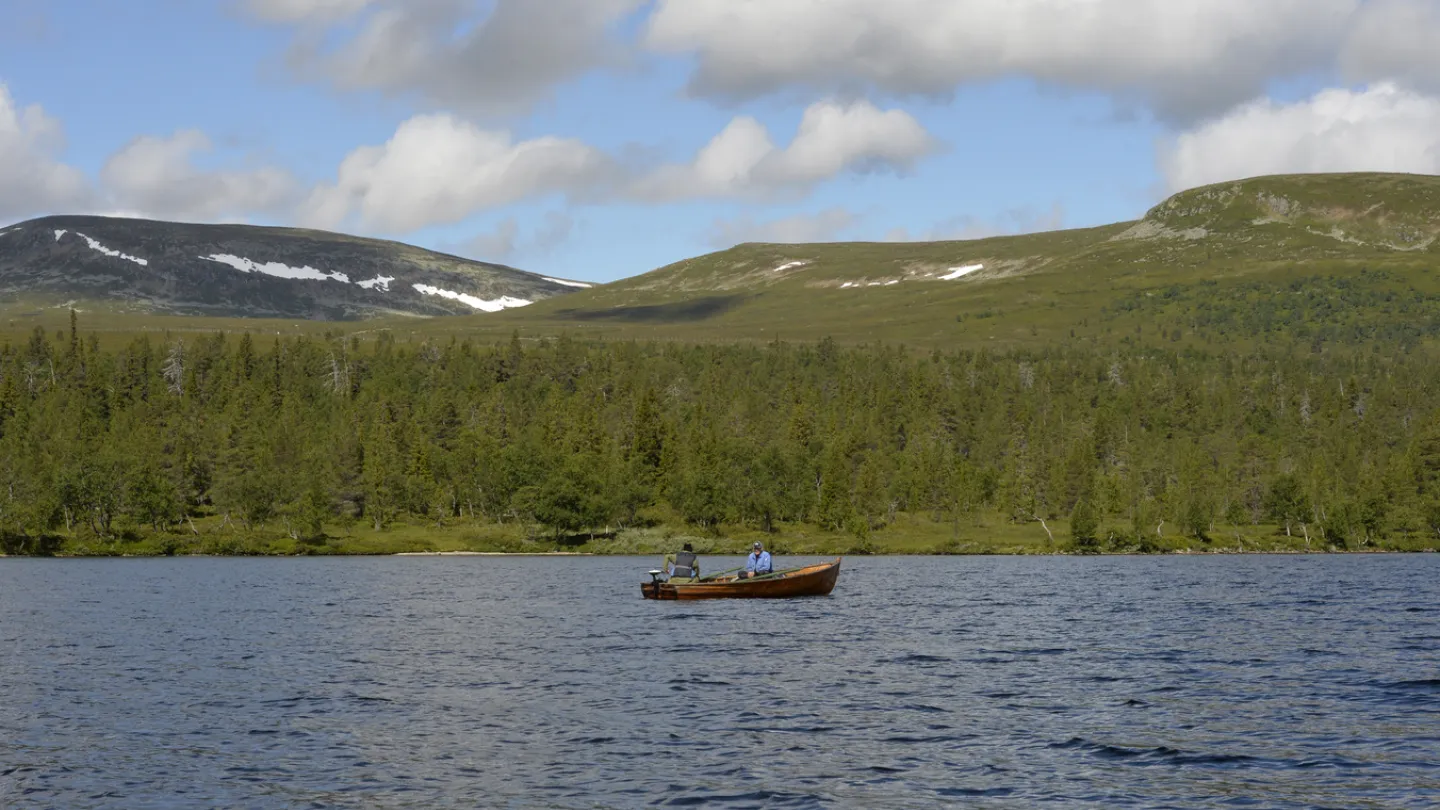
757	545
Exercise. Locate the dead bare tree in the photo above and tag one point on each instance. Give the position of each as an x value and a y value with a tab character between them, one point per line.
173	369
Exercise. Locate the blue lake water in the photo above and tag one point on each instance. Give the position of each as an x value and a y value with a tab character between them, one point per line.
425	682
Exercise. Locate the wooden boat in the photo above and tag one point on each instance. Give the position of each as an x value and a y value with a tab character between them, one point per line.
811	580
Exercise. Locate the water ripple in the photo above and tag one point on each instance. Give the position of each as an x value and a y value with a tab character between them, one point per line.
1273	682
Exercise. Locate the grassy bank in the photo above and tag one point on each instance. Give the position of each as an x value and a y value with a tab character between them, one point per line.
906	535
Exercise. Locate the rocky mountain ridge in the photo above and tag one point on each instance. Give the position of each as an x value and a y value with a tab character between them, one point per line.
250	271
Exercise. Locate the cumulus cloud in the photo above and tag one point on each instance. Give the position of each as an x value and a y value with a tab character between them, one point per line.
1383	128
159	176
1187	58
823	226
833	138
32	180
1396	40
149	177
440	169
476	56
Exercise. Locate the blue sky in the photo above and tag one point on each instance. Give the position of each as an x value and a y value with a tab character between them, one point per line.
566	136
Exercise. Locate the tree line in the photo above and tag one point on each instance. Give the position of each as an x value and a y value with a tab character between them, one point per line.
299	434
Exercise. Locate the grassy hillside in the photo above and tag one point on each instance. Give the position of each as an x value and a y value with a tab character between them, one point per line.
1312	260
1354	240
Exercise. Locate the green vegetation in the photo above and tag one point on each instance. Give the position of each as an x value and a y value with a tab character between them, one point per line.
1313	260
1371	237
314	445
1251	367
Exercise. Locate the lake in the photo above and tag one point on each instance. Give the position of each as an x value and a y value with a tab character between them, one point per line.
514	682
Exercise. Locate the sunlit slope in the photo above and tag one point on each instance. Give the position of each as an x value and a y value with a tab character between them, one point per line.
1321	260
1348	239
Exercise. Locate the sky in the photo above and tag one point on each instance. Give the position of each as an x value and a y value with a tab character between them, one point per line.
600	139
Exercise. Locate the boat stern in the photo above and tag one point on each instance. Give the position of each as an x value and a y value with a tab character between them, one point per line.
657	590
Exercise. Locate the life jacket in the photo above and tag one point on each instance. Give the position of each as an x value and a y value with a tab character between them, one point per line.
686	565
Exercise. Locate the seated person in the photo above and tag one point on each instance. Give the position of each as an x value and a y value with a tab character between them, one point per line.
757	563
683	567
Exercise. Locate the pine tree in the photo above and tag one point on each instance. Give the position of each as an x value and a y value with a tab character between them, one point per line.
1084	526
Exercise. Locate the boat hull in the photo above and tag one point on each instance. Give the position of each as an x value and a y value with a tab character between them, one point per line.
812	580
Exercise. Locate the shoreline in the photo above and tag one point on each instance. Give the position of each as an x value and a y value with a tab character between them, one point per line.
484	554
1174	553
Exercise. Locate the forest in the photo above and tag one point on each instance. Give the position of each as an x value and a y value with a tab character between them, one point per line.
226	443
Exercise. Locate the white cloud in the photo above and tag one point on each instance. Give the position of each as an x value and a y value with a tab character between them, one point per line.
1396	40
32	181
1383	128
833	138
304	11
440	169
158	176
499	55
822	226
1188	58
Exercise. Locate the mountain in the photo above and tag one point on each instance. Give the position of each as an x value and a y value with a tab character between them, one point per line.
145	266
1338	257
1318	259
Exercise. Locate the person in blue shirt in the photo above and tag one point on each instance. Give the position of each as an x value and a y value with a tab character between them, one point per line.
757	563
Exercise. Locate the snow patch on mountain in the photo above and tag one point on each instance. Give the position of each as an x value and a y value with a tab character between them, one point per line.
383	282
504	302
99	248
276	269
582	285
789	265
957	272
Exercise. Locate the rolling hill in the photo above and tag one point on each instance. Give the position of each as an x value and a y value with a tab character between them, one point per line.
1334	257
1345	259
168	268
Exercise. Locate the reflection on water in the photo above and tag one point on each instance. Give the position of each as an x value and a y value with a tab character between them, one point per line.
523	682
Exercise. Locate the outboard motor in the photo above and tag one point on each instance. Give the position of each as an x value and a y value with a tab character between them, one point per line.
652	588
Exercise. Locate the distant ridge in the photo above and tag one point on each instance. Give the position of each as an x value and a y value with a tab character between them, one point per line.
1376	235
250	271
